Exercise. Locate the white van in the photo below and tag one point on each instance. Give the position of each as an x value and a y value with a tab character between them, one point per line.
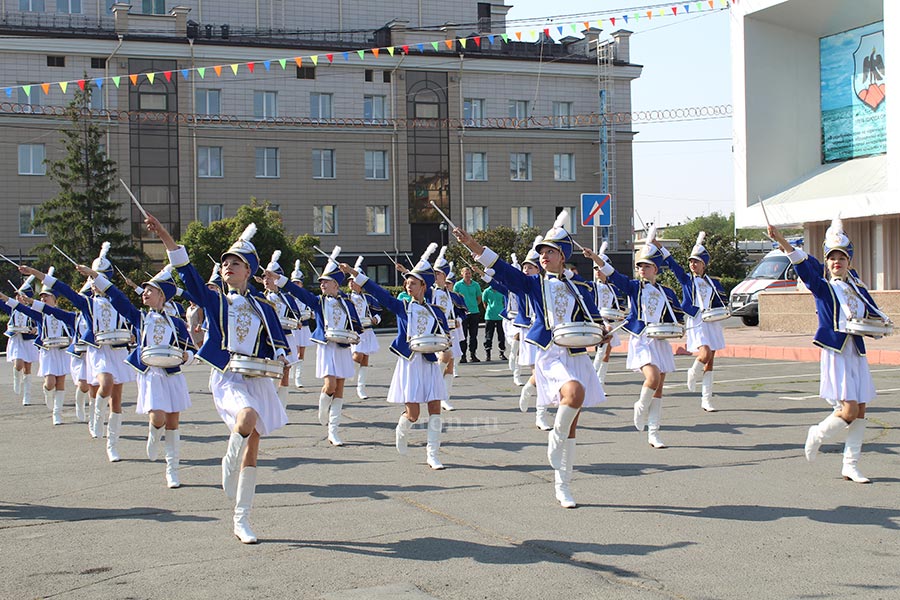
773	272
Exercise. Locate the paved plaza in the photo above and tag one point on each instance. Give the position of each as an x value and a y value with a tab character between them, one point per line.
730	510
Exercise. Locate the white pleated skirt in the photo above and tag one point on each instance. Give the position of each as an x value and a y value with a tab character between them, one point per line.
368	343
700	333
845	376
527	352
232	392
54	361
334	361
157	390
106	359
510	331
417	381
302	337
18	348
456	336
80	368
554	367
643	350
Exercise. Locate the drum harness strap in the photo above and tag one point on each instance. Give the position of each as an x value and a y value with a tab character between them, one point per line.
168	319
612	291
869	305
437	322
578	299
698	301
665	299
65	328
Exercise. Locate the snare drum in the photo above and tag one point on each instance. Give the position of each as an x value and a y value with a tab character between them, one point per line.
720	313
81	347
875	328
14	329
577	334
664	331
306	314
431	342
288	323
341	336
613	315
161	356
366	322
56	342
114	337
251	366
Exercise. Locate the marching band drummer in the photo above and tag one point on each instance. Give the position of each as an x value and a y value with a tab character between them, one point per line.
289	315
509	314
239	325
442	295
20	349
606	296
564	376
846	383
334	362
368	309
53	338
700	292
107	360
302	336
418	376
162	391
650	303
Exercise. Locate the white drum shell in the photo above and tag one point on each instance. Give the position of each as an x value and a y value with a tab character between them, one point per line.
870	327
578	334
112	338
15	329
288	323
251	366
719	313
432	342
161	356
341	336
366	322
613	315
664	331
306	314
56	342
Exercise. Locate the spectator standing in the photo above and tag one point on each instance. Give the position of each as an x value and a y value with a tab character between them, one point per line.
494	302
471	291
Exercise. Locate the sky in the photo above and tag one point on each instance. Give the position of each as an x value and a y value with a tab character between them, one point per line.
682	169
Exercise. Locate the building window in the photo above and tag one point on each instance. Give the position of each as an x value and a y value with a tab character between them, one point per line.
27	101
386	77
325	219
207	213
377	221
376	164
521	217
97	99
72	7
518	109
267	162
572	223
31	159
473	111
564	167
323	164
98	62
562	114
56	61
209	102
427	110
476	218
520	166
26	220
306	72
209	161
373	108
153	101
368	74
265	105
476	166
31	5
380	273
320	106
153	7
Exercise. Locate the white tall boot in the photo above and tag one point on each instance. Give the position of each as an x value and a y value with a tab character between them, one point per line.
693	374
435	423
598	356
653	417
513	357
173	458
852	449
80	398
17	381
707	393
282	391
26	390
563	475
112	437
543	418
246	489
324	405
101	403
231	462
560	433
361	392
642	406
819	434
528	392
48	397
403	427
59	397
448	383
334	419
517	374
602	371
154	437
298	374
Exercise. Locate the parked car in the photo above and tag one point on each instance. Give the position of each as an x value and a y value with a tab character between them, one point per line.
773	272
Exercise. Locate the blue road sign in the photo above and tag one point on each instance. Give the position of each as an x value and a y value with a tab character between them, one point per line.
596	210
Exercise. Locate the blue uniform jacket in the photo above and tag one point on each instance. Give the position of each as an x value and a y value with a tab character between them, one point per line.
35	316
315	303
689	302
71	320
633	288
25	336
82	303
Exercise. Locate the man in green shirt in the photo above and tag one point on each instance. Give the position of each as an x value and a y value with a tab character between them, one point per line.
471	292
494	303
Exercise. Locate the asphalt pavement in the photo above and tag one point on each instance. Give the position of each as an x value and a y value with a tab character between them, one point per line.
730	510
